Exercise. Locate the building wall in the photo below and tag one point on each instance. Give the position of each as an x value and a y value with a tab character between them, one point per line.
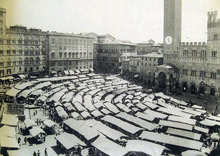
111	55
70	52
23	51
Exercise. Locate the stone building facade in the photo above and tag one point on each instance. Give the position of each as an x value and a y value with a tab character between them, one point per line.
69	52
110	56
190	67
22	50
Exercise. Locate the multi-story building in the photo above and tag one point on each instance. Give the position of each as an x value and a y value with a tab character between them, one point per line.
148	47
111	55
69	52
22	50
193	67
148	67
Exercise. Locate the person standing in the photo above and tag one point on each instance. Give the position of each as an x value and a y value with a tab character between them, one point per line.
38	153
25	140
34	154
45	152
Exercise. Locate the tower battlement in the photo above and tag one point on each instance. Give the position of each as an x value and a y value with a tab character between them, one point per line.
212	17
193	43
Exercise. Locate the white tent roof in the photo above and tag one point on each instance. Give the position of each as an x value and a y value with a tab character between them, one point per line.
176	125
172	140
109	132
145	124
109	147
146	147
187	134
69	140
10	120
122	124
8	142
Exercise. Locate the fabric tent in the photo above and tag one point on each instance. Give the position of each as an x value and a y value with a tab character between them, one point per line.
192	153
69	140
10	120
145	147
8	142
109	147
36	131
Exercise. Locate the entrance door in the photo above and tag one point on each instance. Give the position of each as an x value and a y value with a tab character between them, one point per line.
193	89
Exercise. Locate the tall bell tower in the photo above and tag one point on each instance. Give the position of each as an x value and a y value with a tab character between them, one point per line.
172	25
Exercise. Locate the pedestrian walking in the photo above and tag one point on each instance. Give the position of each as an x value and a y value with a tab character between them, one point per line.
19	140
34	154
25	140
45	152
38	153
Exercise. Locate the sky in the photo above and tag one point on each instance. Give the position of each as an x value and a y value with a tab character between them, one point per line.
134	20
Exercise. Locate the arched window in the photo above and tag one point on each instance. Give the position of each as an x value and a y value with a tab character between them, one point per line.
80	55
31	60
73	55
69	55
76	54
26	61
194	52
214	53
53	55
20	61
185	52
9	62
32	51
38	60
44	60
84	54
203	53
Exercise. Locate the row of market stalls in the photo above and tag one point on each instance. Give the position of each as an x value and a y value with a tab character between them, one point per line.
109	115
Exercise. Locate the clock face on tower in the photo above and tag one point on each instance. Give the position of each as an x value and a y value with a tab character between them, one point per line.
168	40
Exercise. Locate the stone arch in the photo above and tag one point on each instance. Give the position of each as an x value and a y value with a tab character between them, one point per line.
38	60
193	88
212	91
162	77
31	60
26	61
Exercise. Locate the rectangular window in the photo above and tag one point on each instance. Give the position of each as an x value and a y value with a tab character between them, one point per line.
8	42
213	75
215	36
8	52
1	41
193	73
202	74
19	41
1	52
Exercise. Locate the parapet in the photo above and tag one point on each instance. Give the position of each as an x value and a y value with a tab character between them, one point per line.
3	10
193	43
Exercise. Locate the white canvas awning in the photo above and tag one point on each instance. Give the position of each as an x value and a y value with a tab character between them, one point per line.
146	147
171	140
109	147
69	140
10	120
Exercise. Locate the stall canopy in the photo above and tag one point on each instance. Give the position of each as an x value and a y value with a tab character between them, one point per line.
12	92
29	123
7	131
49	123
193	153
36	131
20	152
109	147
186	134
122	124
69	140
66	72
10	120
8	142
107	131
22	76
146	147
171	140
